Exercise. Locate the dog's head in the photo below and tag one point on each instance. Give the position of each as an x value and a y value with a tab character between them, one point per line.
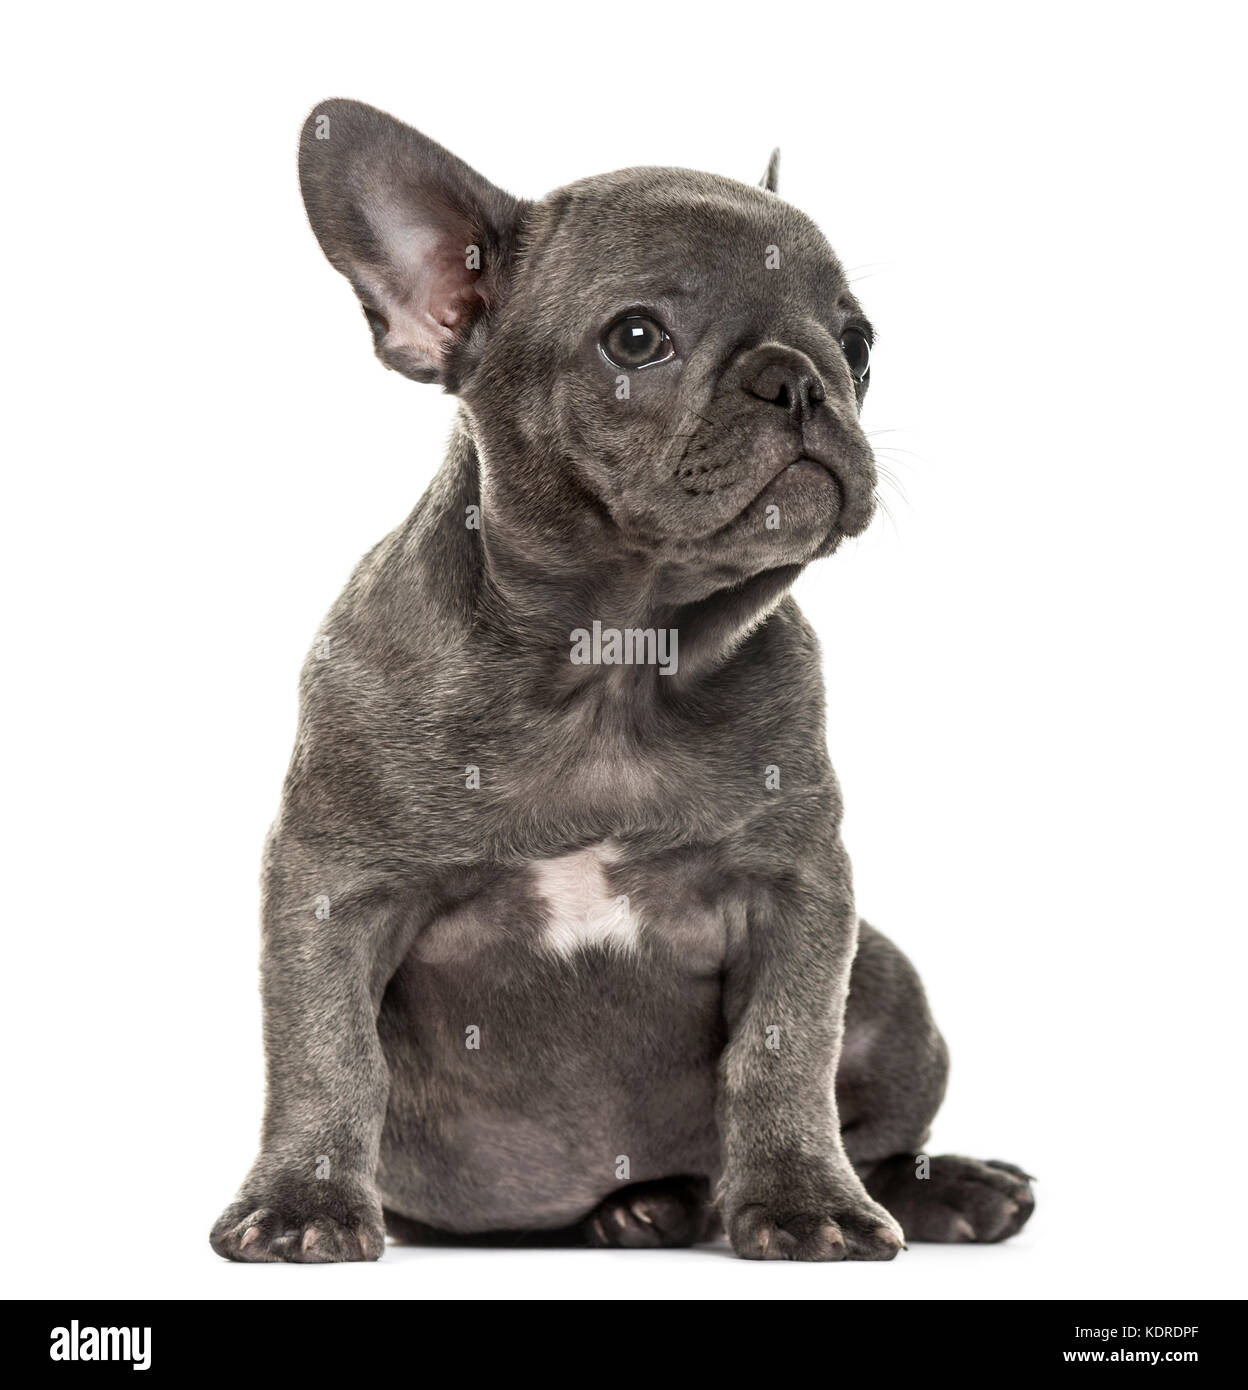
678	352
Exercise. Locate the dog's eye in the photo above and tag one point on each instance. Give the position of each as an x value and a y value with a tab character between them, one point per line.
636	341
857	352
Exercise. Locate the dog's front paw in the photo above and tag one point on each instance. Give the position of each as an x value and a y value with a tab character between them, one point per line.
802	1224
301	1223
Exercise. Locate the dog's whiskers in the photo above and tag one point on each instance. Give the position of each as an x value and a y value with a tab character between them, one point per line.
888	477
882	502
865	271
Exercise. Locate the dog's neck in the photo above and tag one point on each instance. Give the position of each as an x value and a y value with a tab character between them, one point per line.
524	598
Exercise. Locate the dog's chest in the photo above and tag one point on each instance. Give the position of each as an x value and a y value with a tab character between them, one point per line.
596	904
561	1011
578	905
565	1015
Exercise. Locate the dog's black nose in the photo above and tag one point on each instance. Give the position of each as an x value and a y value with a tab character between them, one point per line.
786	378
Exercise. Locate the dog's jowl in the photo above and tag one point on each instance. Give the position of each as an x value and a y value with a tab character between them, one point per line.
559	936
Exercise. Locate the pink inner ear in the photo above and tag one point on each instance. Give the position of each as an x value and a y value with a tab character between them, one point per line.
435	295
451	293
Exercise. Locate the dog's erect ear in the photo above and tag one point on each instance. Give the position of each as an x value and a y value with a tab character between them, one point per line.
425	240
771	179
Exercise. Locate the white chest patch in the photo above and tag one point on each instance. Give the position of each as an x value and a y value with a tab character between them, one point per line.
581	908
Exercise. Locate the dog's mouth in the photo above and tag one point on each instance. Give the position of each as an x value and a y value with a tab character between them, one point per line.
797	475
805	486
808	463
787	496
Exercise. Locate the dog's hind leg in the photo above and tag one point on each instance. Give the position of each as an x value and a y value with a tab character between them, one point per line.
670	1212
889	1085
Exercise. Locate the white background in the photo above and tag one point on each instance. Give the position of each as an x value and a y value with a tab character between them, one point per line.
1035	676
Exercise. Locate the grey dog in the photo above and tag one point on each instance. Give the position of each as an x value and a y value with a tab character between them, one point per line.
559	935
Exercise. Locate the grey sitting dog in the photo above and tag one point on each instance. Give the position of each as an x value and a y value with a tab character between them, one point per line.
559	934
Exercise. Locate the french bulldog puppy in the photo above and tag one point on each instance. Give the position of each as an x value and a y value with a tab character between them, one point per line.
559	935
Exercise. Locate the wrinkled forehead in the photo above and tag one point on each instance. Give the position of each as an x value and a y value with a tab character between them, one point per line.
645	235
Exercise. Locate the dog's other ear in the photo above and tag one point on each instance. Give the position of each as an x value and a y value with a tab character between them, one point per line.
771	179
426	242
